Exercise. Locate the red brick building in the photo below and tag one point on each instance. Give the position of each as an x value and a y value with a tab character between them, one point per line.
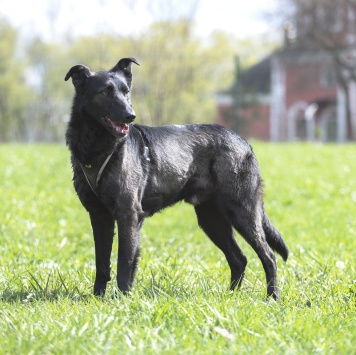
292	95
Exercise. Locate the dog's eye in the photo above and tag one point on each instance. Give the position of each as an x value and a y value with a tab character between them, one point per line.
105	93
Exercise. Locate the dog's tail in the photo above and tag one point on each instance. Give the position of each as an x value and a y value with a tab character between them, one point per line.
273	237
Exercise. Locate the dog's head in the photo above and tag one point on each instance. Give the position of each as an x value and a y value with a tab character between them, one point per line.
105	95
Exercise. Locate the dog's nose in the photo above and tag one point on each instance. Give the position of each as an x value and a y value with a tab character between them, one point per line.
131	117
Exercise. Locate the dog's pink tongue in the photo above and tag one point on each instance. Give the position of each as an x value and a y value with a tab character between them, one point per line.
121	128
124	128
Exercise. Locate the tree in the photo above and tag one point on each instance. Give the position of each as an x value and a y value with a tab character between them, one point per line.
47	114
178	75
329	25
176	82
13	89
179	72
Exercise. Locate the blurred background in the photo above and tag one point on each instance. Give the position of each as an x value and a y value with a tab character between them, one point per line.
275	70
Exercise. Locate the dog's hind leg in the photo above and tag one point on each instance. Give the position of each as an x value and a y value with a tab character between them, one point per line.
219	229
103	225
248	223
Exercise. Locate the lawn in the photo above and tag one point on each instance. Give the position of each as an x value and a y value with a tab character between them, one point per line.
180	303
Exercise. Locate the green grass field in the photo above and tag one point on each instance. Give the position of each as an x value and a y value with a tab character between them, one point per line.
180	303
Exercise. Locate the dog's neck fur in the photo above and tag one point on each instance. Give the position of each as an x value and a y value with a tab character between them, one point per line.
86	138
92	146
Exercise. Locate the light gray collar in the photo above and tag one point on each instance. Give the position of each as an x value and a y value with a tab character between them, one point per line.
94	170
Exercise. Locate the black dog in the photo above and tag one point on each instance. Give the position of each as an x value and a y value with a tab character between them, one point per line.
124	173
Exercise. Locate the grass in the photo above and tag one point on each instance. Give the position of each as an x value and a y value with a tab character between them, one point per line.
180	303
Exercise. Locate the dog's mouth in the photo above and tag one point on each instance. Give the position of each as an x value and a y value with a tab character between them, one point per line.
115	128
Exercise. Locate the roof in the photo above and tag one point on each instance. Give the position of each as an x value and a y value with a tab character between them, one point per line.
254	80
257	79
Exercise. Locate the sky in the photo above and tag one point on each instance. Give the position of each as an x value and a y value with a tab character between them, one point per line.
55	18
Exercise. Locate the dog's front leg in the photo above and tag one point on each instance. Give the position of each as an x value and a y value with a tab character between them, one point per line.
103	225
129	226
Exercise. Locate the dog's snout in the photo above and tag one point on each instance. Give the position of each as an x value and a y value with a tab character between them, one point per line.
131	117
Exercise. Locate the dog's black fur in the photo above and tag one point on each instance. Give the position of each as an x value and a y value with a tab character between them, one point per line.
151	168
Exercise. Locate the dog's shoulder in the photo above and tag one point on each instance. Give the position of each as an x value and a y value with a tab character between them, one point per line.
154	134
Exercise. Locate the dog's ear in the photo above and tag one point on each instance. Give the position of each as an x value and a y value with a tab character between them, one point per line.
124	65
79	73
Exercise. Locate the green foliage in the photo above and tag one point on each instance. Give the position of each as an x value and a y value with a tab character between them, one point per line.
51	98
175	83
171	86
13	91
180	303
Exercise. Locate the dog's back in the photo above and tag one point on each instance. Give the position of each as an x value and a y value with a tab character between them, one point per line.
194	162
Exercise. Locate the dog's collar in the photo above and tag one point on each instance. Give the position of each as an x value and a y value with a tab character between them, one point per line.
146	150
93	171
146	154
